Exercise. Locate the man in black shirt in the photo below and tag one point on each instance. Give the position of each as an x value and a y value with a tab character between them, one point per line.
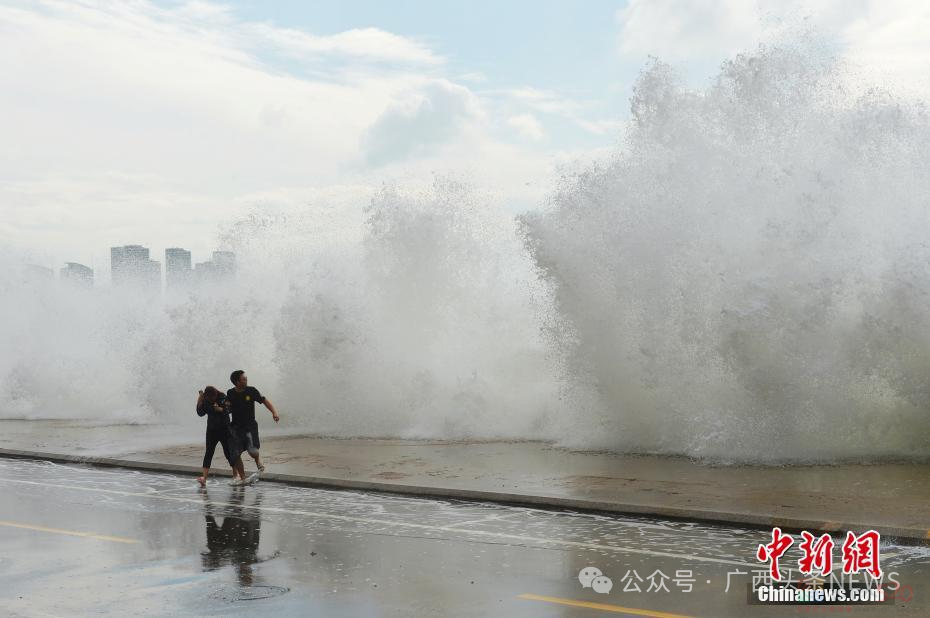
241	400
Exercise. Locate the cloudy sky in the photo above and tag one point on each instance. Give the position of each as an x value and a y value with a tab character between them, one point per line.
149	122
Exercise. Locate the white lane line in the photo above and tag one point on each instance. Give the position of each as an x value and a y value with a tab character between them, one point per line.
483	520
168	491
398	524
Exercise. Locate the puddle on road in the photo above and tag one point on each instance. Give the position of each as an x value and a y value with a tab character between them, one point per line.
231	593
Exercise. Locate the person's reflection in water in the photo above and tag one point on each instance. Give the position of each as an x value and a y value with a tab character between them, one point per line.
235	542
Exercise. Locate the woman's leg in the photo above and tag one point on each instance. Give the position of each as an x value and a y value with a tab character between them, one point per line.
208	457
227	453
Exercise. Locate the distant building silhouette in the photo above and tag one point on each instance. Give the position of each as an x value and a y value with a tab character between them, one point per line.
220	269
225	262
77	274
177	267
130	265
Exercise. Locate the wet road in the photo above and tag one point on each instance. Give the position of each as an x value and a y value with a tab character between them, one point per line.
78	540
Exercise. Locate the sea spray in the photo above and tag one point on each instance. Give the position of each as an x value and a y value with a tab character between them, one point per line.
748	278
428	328
416	315
744	279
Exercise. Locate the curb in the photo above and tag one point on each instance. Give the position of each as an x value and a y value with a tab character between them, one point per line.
902	534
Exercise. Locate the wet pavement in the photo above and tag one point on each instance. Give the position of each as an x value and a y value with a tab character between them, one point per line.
889	497
79	540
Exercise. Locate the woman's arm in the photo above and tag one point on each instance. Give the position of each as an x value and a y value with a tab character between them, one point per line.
200	409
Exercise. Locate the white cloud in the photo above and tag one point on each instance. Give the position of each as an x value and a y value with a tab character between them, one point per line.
200	11
147	96
544	100
527	125
126	122
474	77
419	122
549	102
887	38
890	38
601	127
367	43
679	30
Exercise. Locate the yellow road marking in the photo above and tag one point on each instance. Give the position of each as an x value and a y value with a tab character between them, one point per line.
89	535
601	606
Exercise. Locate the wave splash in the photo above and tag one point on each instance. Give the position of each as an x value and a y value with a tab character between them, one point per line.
745	279
417	316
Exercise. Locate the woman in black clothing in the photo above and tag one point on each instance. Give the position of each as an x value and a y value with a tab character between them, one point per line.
211	403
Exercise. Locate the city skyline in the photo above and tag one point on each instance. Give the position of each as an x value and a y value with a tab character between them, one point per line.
132	264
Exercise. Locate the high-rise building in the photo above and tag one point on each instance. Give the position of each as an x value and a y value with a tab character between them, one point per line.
225	263
125	262
77	274
177	267
220	269
205	272
130	265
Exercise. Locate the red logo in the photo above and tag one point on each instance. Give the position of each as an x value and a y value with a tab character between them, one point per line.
860	553
817	554
775	550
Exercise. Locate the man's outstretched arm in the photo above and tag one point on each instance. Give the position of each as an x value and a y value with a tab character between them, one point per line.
270	406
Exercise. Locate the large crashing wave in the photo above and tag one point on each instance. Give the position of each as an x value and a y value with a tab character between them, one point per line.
416	316
428	326
749	277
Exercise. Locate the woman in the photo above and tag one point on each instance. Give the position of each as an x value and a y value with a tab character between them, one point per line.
211	403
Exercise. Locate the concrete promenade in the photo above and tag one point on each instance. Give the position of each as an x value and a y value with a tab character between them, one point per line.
891	498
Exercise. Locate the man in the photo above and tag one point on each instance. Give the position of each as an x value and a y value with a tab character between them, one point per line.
241	400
